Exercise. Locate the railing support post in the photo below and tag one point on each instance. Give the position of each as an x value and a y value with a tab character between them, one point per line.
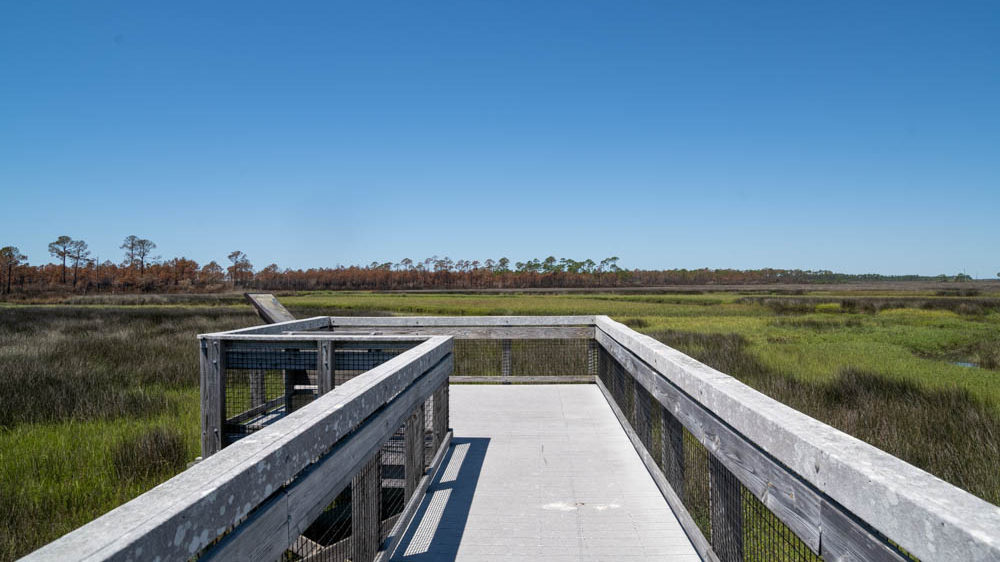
324	367
366	505
440	418
213	396
726	506
258	389
414	452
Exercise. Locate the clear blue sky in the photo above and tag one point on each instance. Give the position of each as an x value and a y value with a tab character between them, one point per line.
856	136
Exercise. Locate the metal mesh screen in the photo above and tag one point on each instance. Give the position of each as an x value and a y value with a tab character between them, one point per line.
353	358
766	537
264	381
524	357
696	482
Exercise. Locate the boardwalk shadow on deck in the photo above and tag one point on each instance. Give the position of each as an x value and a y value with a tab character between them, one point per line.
440	521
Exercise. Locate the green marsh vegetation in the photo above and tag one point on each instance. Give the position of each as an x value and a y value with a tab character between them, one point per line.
99	405
100	398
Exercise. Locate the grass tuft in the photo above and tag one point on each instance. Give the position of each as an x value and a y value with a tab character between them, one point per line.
158	451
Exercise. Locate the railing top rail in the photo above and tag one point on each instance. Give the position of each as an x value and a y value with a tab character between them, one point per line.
319	324
315	336
314	323
459	321
927	516
180	517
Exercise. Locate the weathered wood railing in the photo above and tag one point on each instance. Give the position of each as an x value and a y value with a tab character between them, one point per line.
258	497
840	497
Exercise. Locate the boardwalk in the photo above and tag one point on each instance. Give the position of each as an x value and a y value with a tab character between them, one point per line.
541	472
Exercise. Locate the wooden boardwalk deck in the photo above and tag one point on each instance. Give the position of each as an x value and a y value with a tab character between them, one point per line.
541	472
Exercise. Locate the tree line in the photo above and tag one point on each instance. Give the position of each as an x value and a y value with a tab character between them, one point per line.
76	269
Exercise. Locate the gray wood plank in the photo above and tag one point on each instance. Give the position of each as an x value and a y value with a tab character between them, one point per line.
325	367
414	450
314	323
423	321
477	332
212	396
268	308
523	379
244	544
366	501
845	540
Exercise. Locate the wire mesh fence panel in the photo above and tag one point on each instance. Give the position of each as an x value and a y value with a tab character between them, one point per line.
352	359
696	482
726	507
478	358
328	538
550	357
524	358
766	538
613	376
263	382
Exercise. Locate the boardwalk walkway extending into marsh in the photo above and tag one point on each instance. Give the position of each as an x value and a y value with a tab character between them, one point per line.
541	472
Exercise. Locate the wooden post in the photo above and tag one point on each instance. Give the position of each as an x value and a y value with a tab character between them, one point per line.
726	506
593	349
440	418
366	505
505	360
642	417
292	378
258	388
324	367
289	378
672	451
213	396
414	451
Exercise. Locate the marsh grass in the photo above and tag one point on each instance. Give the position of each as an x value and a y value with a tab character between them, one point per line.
872	305
188	299
85	363
154	452
945	431
99	405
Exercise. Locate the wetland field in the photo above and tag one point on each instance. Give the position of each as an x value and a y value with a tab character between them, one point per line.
100	395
